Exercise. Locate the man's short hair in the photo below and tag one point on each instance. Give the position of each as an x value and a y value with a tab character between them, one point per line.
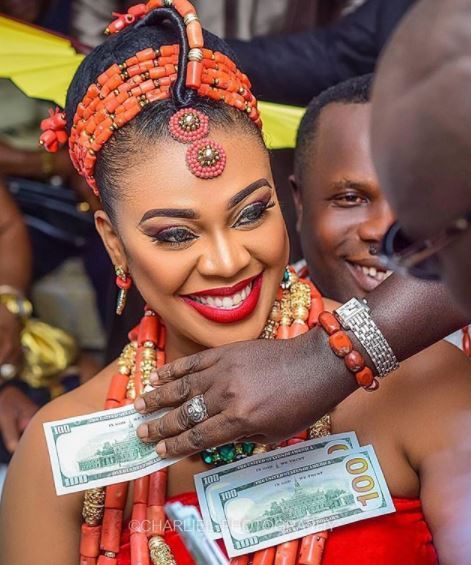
353	91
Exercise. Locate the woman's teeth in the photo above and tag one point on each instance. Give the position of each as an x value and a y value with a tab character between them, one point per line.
375	273
224	302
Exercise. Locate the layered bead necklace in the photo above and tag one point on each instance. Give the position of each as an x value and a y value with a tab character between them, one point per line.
295	310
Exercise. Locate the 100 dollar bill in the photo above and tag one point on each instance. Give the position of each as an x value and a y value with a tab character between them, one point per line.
210	483
287	505
100	449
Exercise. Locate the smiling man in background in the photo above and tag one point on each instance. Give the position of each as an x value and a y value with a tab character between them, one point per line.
342	213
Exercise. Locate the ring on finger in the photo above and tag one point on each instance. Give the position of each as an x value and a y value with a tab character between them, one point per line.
196	410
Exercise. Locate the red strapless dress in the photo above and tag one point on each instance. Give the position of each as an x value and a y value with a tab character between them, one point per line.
402	537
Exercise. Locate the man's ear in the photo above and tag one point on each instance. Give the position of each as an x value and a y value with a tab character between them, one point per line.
298	200
110	239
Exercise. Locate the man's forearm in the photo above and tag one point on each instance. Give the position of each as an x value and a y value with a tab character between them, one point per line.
411	314
35	164
15	248
414	314
15	259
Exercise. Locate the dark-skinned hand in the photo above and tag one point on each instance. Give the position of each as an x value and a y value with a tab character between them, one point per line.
16	410
241	384
10	338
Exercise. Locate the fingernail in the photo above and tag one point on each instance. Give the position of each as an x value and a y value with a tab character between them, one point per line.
139	404
161	450
154	378
143	431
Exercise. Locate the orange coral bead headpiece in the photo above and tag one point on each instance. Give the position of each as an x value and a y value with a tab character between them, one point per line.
124	89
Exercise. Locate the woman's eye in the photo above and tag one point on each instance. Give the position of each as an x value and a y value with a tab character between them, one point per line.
174	236
349	199
253	213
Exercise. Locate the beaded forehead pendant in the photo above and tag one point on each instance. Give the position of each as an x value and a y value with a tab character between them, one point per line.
205	158
121	92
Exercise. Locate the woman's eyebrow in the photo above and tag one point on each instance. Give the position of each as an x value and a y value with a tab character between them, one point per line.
237	198
186	213
189	214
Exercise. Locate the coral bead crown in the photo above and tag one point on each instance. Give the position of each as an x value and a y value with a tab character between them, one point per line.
123	90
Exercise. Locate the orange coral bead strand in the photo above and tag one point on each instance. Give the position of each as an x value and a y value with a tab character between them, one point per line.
342	346
122	90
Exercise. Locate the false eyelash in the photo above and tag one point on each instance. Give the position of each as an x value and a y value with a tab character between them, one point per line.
160	241
266	207
180	244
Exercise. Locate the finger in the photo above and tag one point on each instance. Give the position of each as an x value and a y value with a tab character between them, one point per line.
171	424
10	431
185	366
173	393
209	433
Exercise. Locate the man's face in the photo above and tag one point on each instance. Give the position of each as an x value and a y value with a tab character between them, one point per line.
342	213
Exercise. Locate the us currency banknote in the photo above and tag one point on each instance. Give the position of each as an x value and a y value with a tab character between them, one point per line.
209	483
100	449
327	492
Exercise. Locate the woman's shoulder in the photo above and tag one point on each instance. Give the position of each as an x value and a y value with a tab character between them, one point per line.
429	385
441	367
432	392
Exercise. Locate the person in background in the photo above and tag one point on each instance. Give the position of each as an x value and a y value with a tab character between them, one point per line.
27	253
27	10
16	409
422	145
343	214
29	375
293	68
342	218
19	153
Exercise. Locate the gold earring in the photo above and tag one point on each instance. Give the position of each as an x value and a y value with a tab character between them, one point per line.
123	282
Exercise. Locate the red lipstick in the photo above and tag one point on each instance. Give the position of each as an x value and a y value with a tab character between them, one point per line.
228	315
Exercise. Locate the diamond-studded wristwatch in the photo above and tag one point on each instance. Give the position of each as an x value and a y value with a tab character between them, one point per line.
354	315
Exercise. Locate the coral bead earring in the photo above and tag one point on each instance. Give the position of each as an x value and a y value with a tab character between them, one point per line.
123	282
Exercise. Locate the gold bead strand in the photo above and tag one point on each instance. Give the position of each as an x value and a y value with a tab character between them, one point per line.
271	327
148	362
300	301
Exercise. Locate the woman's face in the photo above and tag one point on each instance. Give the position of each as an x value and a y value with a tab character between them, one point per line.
207	255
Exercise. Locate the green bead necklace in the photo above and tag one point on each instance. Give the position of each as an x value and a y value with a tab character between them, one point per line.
227	453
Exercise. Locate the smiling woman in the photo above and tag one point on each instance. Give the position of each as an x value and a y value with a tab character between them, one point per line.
167	133
189	243
163	126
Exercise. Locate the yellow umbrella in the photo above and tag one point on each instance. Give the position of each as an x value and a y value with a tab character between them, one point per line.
280	124
42	65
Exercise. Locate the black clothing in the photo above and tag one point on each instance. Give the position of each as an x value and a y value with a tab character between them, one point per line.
291	69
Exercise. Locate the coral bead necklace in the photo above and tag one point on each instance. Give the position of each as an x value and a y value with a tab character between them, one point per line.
296	309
